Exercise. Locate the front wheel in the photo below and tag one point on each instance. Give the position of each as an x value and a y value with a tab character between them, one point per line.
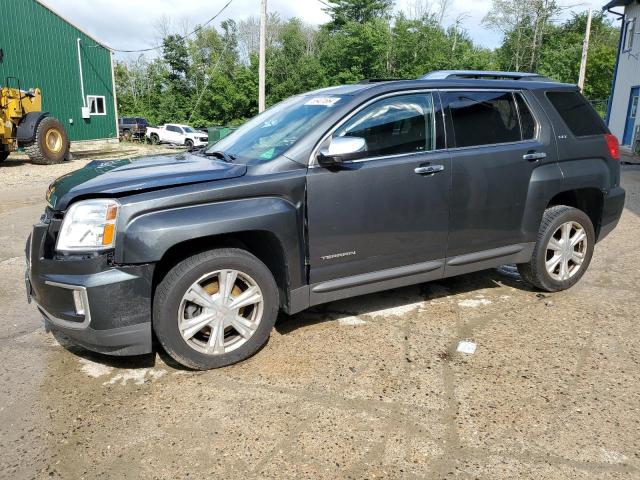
189	144
563	251
215	308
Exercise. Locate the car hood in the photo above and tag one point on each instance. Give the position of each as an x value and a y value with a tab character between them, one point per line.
113	177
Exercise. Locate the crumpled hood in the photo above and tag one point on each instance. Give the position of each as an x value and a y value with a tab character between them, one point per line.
111	177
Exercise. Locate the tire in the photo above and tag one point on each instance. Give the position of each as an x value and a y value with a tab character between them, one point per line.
3	156
189	144
547	270
170	305
155	139
127	135
51	144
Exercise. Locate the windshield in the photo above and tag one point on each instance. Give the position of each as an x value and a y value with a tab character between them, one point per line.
273	132
188	130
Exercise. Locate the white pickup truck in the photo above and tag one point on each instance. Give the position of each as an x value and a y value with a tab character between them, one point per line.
177	135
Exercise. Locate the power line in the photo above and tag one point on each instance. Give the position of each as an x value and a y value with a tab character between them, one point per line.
206	85
325	4
195	30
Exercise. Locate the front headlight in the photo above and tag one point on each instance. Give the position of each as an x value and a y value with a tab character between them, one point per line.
89	225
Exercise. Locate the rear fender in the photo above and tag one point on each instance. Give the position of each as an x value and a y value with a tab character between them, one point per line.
550	180
546	181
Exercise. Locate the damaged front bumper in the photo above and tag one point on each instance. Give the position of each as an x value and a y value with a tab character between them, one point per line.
100	306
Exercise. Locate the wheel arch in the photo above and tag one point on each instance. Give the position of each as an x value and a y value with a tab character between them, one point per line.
270	228
590	200
28	127
263	244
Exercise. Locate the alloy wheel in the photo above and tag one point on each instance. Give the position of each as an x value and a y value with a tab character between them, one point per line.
220	312
566	251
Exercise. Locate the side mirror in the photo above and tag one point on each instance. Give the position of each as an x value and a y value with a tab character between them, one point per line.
341	149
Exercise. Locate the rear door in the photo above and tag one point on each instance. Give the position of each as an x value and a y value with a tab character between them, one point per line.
498	138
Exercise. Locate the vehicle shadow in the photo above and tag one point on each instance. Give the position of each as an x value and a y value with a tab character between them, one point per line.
507	275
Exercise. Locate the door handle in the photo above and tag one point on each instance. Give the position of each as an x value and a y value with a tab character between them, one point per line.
429	169
534	156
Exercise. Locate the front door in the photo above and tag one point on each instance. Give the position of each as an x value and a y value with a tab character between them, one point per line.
389	208
632	114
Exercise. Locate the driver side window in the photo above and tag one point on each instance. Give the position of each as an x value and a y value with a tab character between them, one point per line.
395	125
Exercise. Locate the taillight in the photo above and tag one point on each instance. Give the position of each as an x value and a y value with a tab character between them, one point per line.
613	146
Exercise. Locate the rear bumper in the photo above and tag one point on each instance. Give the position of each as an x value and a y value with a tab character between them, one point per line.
611	211
102	307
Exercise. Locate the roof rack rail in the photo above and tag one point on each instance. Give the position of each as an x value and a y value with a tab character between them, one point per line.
486	75
379	80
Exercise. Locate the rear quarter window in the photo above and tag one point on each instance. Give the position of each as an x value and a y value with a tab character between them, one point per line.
577	113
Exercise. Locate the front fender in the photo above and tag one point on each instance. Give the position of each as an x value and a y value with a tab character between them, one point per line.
146	238
28	126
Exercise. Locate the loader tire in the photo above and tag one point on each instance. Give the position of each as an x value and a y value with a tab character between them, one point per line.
3	156
51	144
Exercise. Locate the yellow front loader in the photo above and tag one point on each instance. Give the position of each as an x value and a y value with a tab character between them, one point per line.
24	124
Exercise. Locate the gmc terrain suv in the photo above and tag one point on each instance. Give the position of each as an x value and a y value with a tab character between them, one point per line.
334	193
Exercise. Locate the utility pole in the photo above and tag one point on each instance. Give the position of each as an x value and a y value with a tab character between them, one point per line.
585	52
262	61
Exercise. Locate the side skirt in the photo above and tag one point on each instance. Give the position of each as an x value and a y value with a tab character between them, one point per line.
346	287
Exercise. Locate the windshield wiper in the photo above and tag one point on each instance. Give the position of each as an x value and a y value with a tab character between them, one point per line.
222	155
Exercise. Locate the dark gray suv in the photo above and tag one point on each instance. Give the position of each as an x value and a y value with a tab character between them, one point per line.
335	193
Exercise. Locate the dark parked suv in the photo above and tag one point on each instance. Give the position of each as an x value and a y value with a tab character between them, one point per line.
331	194
132	127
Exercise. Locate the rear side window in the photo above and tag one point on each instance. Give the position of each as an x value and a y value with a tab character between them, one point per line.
483	118
577	113
527	122
395	125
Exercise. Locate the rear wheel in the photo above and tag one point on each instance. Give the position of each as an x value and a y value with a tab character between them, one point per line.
215	308
155	139
189	144
563	251
51	144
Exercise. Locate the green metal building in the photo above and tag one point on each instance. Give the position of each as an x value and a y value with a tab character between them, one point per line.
39	48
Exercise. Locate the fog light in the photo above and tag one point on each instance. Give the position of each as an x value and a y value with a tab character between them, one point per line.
77	302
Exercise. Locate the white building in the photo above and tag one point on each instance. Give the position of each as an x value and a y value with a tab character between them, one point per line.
623	116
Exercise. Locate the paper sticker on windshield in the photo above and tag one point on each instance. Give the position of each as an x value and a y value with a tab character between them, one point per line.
323	101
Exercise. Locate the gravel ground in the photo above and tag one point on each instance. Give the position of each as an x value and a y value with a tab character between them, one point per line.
370	387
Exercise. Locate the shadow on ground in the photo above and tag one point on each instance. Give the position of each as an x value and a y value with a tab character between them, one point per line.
506	275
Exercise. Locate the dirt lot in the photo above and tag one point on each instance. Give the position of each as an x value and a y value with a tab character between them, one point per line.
371	387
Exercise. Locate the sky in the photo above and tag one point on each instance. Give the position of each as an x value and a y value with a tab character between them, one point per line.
133	24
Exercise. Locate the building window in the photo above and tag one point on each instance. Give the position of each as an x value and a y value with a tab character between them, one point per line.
96	105
629	34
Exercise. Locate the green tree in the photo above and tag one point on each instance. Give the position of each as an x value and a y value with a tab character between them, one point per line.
562	52
360	11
